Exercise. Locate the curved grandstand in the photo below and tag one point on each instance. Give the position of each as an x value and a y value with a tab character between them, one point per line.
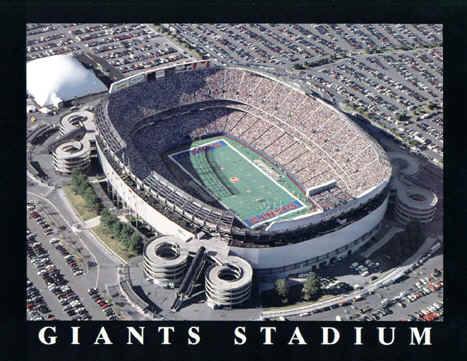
241	154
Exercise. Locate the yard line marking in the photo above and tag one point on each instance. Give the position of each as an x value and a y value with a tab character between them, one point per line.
302	205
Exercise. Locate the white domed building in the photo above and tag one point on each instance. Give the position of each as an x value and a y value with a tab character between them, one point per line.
54	79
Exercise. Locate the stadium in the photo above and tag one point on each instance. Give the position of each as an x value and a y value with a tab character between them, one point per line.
284	180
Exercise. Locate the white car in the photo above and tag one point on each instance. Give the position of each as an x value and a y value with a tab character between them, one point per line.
54	240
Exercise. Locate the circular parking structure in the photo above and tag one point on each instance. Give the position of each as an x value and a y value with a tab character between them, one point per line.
165	261
71	155
228	282
415	204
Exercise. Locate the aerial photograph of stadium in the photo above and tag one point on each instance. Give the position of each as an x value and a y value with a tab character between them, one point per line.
234	172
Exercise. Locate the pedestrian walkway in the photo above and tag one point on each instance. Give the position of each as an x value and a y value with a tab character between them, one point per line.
97	180
93	222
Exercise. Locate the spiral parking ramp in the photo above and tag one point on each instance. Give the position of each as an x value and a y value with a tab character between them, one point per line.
165	261
228	282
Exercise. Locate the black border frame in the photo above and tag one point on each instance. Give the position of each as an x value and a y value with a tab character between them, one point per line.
20	337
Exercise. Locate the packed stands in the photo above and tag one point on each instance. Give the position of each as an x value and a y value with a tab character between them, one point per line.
308	139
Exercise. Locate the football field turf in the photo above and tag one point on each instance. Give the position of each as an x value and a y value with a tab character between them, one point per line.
243	181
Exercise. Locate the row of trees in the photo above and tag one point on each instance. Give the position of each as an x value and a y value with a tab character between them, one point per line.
311	288
80	185
122	231
317	62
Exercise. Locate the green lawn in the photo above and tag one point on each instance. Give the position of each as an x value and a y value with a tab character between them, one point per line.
113	243
79	204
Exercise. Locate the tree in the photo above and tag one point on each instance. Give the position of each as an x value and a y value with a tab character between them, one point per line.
298	66
115	229
282	289
105	216
136	243
82	184
125	240
311	287
111	220
90	198
77	181
125	234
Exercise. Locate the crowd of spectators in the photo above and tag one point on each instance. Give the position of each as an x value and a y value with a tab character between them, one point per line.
314	143
332	198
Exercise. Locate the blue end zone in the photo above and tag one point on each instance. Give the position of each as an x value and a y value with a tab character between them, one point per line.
201	149
273	213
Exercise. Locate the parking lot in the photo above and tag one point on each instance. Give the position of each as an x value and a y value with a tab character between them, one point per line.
391	74
128	47
57	272
416	296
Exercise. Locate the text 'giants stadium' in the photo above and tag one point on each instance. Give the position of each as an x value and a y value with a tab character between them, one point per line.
286	181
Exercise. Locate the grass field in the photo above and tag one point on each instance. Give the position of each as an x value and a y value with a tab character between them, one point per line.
79	204
113	243
243	181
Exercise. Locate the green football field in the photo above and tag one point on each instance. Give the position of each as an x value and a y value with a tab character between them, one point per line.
241	180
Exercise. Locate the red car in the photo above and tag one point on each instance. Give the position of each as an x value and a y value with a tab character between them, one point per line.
34	214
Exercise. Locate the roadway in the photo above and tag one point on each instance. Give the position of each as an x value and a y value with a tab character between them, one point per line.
63	214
